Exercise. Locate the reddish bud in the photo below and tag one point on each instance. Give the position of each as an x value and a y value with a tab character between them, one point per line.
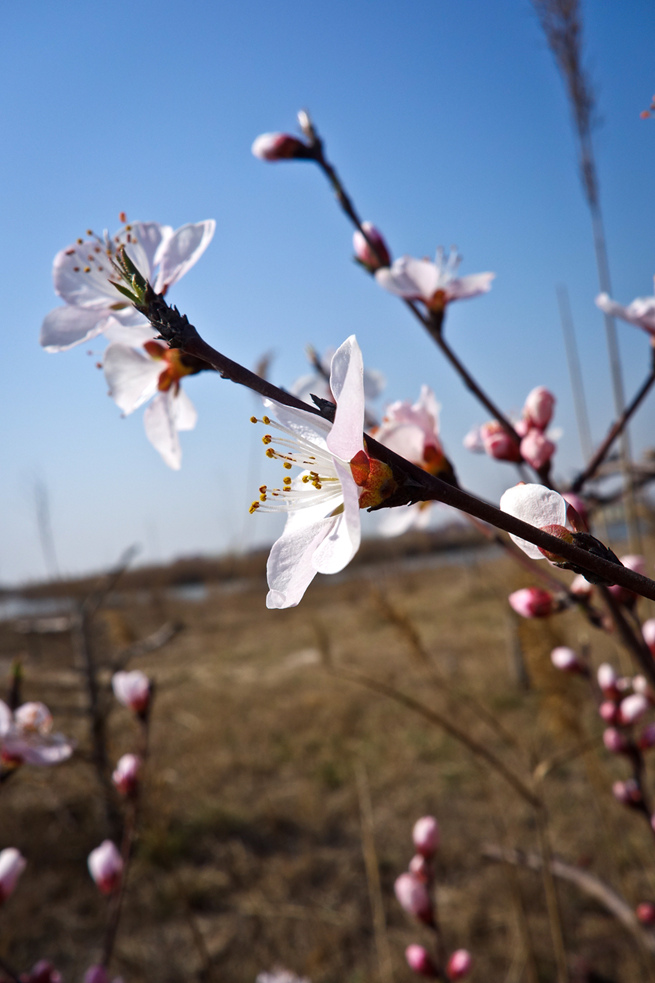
419	960
106	867
533	602
607	680
627	793
126	775
132	689
421	868
632	708
538	409
615	741
12	865
426	836
371	259
459	964
609	711
648	631
279	146
566	660
536	449
413	896
645	912
498	443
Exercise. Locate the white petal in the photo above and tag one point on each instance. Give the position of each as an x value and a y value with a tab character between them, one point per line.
65	327
307	426
410	277
129	328
185	415
81	276
5	718
182	250
148	238
290	569
132	376
159	421
469	286
347	383
396	521
537	505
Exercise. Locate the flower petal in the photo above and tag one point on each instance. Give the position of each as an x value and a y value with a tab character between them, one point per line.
537	505
410	277
181	251
132	376
469	286
159	421
65	327
347	383
290	569
185	415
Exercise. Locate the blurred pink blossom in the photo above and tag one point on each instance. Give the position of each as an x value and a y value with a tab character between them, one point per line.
632	709
419	960
414	897
426	836
280	976
279	146
566	659
132	689
41	972
648	631
106	866
126	774
435	284
459	964
627	792
615	741
538	408
533	602
640	312
26	738
537	449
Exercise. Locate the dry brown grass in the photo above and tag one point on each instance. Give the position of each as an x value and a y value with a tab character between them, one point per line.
250	852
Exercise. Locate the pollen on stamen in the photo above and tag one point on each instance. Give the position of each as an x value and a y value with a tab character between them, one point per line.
266	421
270	452
253	507
267	439
87	269
253	419
89	232
287	464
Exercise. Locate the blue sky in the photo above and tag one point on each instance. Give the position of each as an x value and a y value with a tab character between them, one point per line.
448	124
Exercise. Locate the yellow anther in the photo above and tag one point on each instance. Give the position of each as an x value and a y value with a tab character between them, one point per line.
287	464
87	269
270	452
305	478
267	439
266	420
253	419
262	498
262	489
253	507
286	481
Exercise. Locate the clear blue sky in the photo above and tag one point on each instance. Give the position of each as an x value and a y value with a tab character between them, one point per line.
448	124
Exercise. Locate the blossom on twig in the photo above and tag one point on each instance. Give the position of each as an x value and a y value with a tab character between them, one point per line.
640	312
12	865
433	283
106	866
81	273
26	738
322	532
132	689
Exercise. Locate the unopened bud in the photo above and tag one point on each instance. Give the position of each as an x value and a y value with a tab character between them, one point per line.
566	660
106	867
627	793
413	896
12	865
533	602
498	443
577	514
280	146
421	868
420	961
536	449
646	739
609	711
126	775
632	708
607	679
645	912
648	631
538	408
132	689
459	964
615	741
372	259
426	836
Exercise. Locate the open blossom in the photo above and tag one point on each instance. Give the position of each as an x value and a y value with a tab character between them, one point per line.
317	383
132	689
106	866
82	271
640	312
26	738
435	284
12	865
135	376
322	532
412	430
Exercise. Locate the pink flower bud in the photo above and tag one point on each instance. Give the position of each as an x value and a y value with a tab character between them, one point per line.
645	912
41	972
419	960
12	865
566	660
632	708
581	587
536	449
279	146
609	711
421	868
132	689
498	443
575	503
126	775
615	741
413	896
106	867
459	964
646	739
533	602
364	254
538	409
607	679
627	793
426	835
648	631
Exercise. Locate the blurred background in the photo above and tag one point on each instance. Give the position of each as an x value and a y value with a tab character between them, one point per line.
448	124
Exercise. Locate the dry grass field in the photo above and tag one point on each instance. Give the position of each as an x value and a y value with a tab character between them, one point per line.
273	772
